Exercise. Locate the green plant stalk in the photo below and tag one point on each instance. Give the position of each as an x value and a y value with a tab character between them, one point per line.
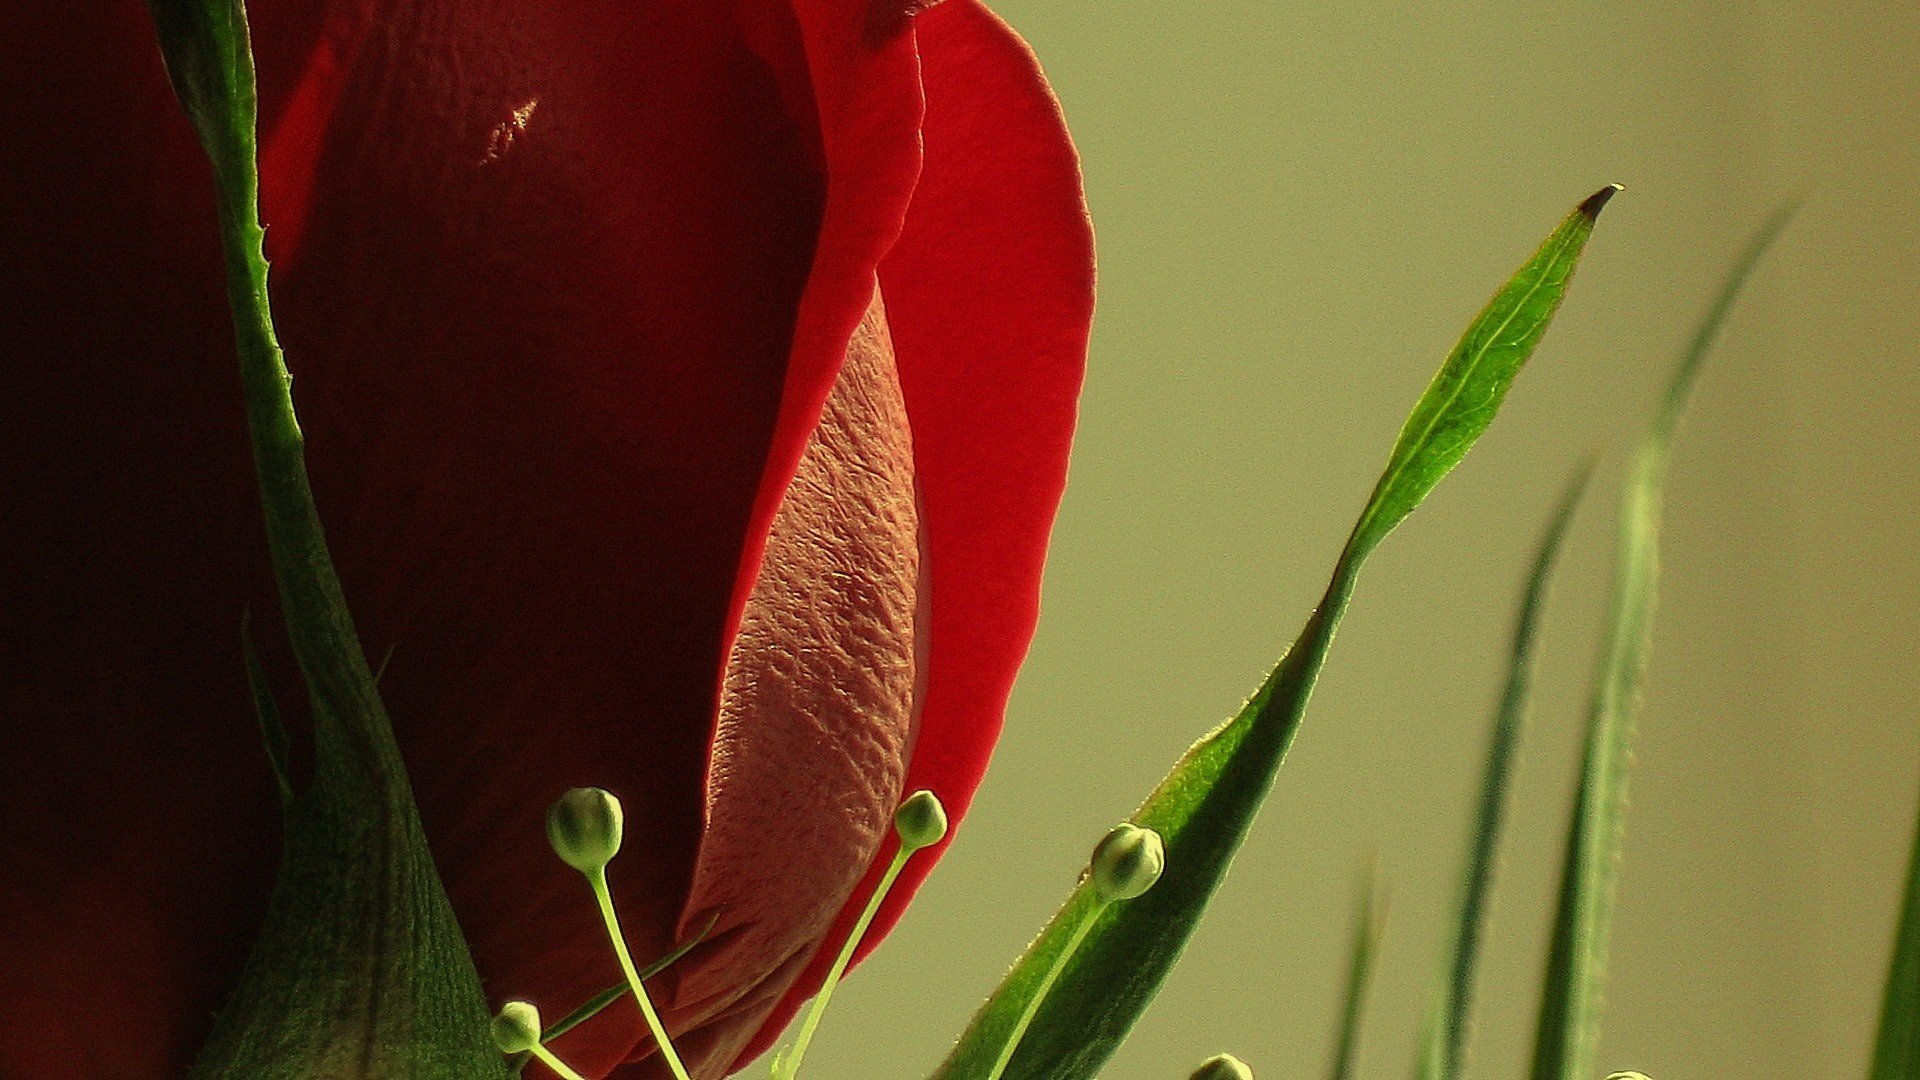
1568	1033
604	897
1205	805
1024	1022
787	1063
594	1005
360	968
560	1068
1443	1047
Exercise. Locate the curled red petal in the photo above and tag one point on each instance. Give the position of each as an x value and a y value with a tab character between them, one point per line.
816	721
990	293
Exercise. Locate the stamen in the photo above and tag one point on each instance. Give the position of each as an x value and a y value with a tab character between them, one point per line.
921	822
517	1031
1125	864
584	827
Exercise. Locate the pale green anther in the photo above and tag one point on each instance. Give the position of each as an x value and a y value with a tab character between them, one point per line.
921	821
1629	1076
517	1029
584	828
1127	862
1222	1067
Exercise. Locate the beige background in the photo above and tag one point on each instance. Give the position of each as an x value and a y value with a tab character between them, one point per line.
1299	206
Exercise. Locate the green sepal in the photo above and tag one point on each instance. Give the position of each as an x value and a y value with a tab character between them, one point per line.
360	968
1568	1031
1205	805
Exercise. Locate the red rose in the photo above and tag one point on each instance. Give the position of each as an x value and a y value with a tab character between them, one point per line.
687	389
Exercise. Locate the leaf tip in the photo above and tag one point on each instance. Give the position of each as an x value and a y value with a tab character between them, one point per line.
1598	201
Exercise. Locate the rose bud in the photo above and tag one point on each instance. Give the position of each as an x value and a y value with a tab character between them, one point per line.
1127	862
1222	1067
687	391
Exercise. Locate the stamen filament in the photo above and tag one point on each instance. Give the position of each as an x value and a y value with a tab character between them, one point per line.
598	879
1100	906
548	1059
788	1063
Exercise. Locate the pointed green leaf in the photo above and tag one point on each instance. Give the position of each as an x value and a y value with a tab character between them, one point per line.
359	969
1205	805
1896	1053
1443	1049
1470	386
1369	923
1568	1033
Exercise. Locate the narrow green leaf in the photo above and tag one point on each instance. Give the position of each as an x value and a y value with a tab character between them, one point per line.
1443	1049
1470	386
1569	1027
1369	923
359	969
1896	1053
1205	805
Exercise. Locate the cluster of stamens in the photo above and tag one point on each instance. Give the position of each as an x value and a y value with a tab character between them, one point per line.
584	827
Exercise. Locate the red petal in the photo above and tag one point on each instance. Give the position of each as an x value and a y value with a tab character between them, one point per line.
558	371
989	291
542	317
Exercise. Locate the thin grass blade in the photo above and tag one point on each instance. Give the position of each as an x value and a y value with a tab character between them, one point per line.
1896	1053
1207	802
1443	1050
1568	1033
1369	924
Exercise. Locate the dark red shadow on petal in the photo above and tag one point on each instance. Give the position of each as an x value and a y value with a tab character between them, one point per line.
990	293
140	828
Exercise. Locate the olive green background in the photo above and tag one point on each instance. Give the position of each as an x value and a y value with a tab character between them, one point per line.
1299	206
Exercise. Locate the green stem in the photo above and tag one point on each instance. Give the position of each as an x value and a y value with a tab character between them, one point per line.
598	879
1040	992
550	1061
786	1066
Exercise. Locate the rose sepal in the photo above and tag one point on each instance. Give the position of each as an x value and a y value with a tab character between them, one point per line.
359	968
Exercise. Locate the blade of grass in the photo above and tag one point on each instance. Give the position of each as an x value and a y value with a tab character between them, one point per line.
1205	805
1568	1033
1443	1049
1369	923
1896	1052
